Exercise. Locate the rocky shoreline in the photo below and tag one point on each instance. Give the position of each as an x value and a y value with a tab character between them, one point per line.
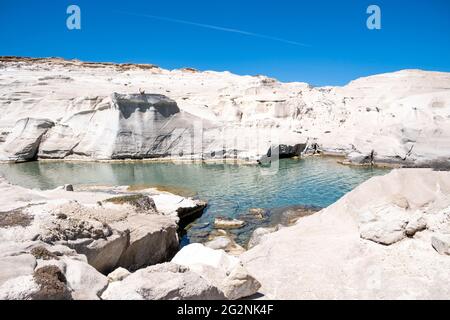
387	239
65	244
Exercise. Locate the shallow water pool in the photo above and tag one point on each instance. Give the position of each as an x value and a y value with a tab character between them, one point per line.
229	189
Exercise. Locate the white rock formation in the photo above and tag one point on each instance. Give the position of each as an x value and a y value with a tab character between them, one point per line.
167	281
224	271
111	231
34	271
361	247
99	113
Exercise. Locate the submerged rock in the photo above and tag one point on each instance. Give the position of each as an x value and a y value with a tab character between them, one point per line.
258	213
222	223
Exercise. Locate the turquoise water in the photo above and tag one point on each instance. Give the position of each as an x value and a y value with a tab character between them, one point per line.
229	189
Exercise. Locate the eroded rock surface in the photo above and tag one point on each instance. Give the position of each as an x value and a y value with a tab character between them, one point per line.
224	271
75	238
380	241
166	281
23	142
108	113
43	272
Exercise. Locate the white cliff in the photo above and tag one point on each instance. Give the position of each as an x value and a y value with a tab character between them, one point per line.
100	111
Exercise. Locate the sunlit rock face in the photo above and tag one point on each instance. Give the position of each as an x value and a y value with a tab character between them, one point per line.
122	126
23	142
113	111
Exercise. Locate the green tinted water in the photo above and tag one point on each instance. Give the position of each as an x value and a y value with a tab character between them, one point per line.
229	189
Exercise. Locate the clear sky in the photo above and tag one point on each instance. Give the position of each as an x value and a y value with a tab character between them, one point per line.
322	42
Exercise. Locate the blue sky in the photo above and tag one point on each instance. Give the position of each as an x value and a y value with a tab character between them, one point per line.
339	47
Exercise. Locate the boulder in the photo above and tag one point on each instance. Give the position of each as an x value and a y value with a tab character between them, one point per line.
288	151
104	253
47	272
84	280
289	215
68	187
153	239
282	151
239	284
182	207
190	213
118	275
68	230
222	223
167	281
224	271
23	142
197	254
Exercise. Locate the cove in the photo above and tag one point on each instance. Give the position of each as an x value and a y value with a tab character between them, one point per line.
230	189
